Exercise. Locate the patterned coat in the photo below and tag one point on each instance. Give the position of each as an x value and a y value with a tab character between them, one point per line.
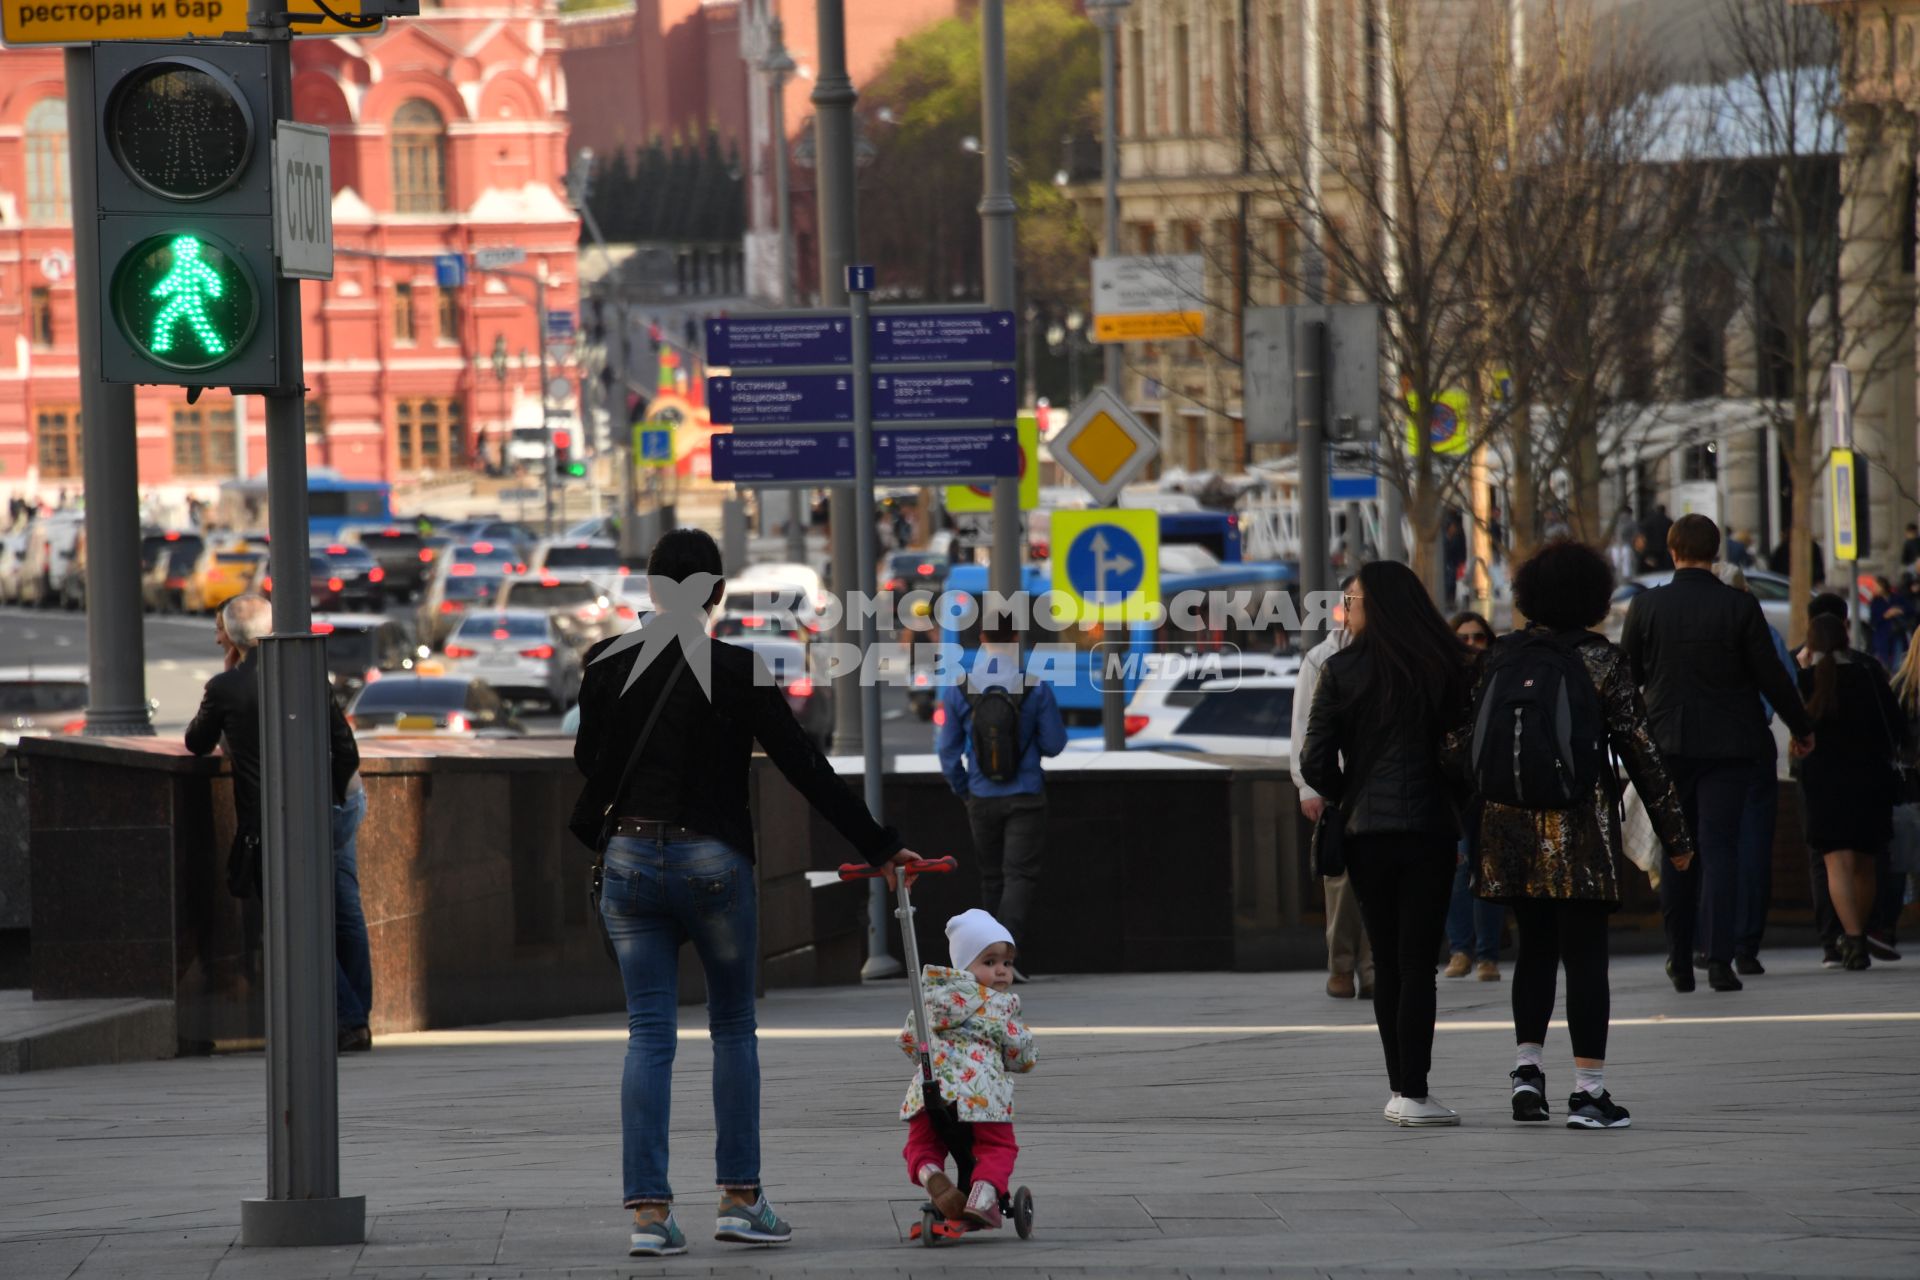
1574	854
978	1042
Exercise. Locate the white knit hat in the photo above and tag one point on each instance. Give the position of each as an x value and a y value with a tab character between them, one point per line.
970	933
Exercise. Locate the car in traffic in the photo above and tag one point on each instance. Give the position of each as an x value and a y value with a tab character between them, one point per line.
221	574
520	652
51	541
913	571
1774	591
791	590
432	704
1251	716
584	555
167	558
41	700
585	609
353	579
452	593
507	533
402	553
789	663
497	557
362	648
13	565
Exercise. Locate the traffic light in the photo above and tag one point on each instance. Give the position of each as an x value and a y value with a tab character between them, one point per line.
184	164
563	461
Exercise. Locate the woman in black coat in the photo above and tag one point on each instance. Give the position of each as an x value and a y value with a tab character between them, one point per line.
1373	749
1848	780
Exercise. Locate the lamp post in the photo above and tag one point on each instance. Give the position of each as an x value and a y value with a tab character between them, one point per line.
996	236
1107	14
779	65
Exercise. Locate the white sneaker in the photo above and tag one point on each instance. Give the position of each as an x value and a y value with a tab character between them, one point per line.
1418	1113
1392	1109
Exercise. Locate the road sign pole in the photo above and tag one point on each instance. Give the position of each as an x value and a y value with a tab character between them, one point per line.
1310	404
1107	15
116	670
546	428
1113	690
880	962
996	232
303	1205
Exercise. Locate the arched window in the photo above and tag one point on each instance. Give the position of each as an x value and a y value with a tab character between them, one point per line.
419	139
47	162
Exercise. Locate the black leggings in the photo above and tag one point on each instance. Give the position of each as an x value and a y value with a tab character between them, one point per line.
1552	933
1404	882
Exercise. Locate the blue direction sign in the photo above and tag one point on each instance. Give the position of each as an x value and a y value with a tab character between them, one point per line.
764	342
781	401
943	336
1105	564
933	453
449	270
787	457
932	397
1344	488
559	324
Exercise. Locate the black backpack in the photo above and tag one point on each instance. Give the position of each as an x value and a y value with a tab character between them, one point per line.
1539	736
996	732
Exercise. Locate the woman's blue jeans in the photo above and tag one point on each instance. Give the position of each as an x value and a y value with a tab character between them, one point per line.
654	896
1473	924
353	957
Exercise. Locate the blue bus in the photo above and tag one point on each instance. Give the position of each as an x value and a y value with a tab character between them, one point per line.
334	503
1217	531
1249	585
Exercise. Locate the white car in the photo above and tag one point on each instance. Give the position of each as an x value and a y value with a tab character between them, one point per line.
1163	699
779	588
518	652
1253	717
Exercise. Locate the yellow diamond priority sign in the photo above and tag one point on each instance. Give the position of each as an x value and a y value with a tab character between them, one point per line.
1103	446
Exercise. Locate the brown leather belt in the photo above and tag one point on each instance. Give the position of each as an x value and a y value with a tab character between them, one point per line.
654	829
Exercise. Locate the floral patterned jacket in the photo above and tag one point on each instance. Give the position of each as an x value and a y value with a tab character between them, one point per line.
978	1043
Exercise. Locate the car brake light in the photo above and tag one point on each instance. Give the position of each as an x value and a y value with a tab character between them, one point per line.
459	651
626	611
457	722
925	570
939	715
548	580
502	634
801	688
484	548
74	726
623	570
174	584
449	606
266	584
1133	724
462	571
752	620
579	546
376	574
426	554
541	651
895	584
334	584
173	537
921	679
336	550
323	628
373	673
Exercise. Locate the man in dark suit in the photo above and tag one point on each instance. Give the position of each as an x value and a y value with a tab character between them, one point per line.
230	711
1701	651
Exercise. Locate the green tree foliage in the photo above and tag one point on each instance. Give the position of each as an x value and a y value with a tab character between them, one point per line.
687	189
920	191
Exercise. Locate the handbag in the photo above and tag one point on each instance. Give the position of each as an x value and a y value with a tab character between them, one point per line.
1328	846
592	823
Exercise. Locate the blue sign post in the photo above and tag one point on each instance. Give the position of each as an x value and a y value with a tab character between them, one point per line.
803	458
933	453
559	324
791	400
826	339
449	270
988	395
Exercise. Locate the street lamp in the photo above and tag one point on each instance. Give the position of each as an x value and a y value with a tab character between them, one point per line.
779	65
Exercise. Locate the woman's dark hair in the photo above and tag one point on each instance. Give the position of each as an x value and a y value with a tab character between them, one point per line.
1826	637
1831	603
1415	656
681	553
1565	586
1465	616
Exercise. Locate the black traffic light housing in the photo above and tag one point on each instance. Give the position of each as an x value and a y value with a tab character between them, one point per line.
189	285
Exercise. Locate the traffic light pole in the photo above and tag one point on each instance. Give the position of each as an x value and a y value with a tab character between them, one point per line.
303	1205
116	663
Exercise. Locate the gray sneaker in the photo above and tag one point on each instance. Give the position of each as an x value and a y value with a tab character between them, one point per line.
657	1240
754	1223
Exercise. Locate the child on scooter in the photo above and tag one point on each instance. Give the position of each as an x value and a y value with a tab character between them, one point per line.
978	1041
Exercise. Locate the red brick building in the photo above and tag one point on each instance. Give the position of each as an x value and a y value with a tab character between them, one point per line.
449	135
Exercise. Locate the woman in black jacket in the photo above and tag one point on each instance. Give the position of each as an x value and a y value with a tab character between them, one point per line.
1373	749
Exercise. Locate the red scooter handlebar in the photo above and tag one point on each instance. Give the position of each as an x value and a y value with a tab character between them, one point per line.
922	867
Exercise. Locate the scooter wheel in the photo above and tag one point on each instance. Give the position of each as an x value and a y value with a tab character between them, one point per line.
928	1220
1023	1212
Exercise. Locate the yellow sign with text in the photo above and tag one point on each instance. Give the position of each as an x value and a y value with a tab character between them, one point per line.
1154	326
1841	504
35	22
963	499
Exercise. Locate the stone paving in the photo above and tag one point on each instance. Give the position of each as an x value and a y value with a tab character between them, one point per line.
1178	1125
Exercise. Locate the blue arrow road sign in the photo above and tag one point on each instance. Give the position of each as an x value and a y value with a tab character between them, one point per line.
931	397
760	342
449	270
941	336
931	453
656	444
899	337
787	457
1105	564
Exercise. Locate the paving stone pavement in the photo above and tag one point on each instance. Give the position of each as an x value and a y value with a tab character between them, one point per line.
1178	1125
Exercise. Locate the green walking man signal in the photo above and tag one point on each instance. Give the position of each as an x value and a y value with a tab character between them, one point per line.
182	287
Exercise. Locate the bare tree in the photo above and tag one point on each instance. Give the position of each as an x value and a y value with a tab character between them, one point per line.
1819	175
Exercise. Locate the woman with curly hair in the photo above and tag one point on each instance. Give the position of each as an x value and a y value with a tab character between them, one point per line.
1557	868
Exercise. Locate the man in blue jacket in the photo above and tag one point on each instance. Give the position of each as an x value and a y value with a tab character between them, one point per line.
994	730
